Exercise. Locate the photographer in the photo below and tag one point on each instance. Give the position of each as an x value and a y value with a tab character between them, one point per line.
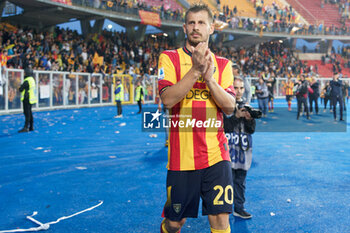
238	128
262	94
302	89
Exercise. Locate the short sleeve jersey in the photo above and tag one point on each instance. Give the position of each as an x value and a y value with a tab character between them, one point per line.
289	86
201	143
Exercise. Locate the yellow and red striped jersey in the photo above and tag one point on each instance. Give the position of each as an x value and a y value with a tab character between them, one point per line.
4	59
289	85
194	148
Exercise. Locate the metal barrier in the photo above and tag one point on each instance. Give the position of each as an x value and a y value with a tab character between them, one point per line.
61	90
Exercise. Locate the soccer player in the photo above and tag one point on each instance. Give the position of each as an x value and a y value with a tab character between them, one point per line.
289	85
194	81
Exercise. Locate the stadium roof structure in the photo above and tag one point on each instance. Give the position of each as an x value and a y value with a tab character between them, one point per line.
43	14
46	13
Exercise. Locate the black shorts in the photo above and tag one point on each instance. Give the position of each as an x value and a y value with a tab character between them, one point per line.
289	98
185	188
271	97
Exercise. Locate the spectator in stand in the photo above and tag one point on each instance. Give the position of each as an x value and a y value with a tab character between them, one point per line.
313	97
337	96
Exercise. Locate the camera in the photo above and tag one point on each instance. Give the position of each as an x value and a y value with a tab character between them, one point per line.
254	113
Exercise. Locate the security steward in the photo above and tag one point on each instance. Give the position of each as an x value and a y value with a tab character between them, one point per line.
28	97
139	95
119	97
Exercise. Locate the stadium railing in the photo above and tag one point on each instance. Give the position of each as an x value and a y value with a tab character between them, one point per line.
62	90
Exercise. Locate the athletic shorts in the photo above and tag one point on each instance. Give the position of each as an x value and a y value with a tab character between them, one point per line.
185	188
289	98
271	97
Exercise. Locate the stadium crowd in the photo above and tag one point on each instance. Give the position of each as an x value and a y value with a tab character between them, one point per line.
269	18
111	53
65	50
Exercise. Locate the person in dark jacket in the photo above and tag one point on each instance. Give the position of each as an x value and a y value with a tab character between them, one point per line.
263	95
302	89
327	97
313	97
337	95
28	97
238	128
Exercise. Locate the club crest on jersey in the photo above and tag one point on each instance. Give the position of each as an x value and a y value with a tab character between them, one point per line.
161	73
177	208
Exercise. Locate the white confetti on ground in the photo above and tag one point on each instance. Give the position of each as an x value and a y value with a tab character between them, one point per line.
122	124
153	135
289	200
38	148
129	201
45	151
64	123
117	131
307	138
81	168
272	214
75	111
112	157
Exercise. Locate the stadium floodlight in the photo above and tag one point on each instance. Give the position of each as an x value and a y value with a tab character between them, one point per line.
281	41
109	26
165	34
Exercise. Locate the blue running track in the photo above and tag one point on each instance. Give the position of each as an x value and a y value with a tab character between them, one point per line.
299	180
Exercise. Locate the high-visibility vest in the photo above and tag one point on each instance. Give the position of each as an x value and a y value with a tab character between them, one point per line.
138	95
252	89
32	90
120	95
